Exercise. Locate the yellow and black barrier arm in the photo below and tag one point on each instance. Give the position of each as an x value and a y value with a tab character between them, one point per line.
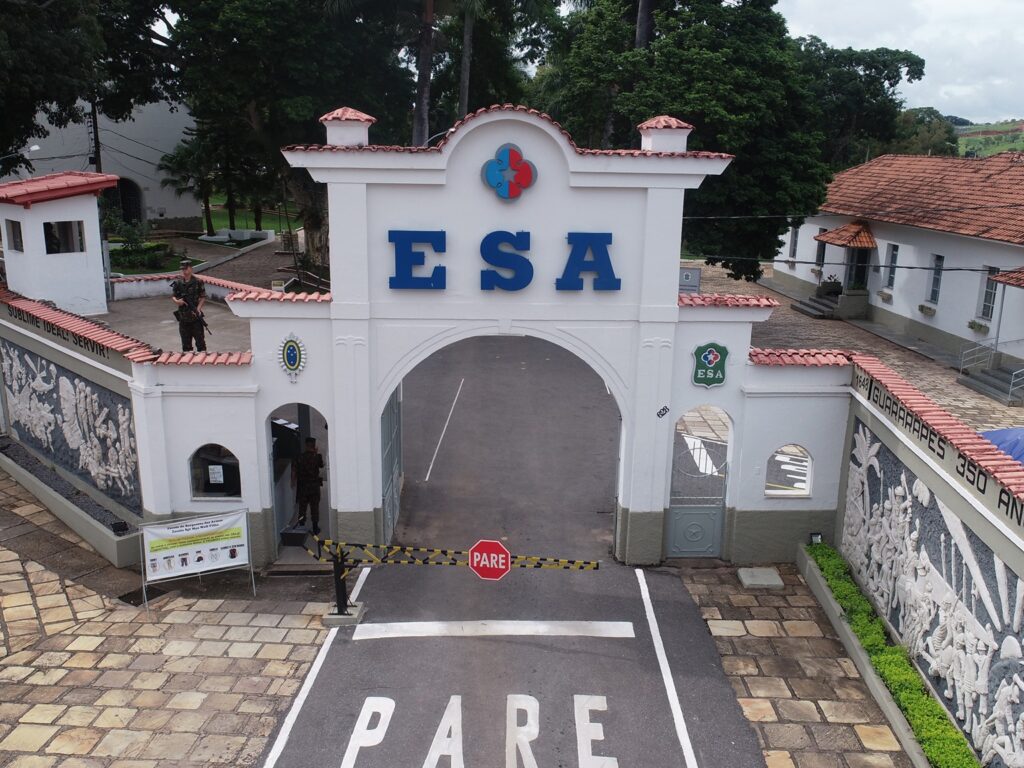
344	555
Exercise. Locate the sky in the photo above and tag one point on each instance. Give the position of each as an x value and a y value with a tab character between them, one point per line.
973	49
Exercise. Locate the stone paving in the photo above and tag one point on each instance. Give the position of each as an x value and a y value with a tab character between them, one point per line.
801	693
788	328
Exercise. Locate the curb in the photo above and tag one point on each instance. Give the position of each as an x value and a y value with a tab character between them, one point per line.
898	723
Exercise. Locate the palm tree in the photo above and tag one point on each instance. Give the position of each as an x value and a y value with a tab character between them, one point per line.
190	170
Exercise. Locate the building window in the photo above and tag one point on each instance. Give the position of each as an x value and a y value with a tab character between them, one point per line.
794	238
788	472
14	239
890	276
64	236
988	294
819	256
937	262
215	473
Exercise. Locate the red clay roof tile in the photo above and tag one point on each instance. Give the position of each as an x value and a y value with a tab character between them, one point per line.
504	108
204	358
1015	278
664	121
965	196
54	186
347	113
725	300
963	438
804	357
259	294
856	234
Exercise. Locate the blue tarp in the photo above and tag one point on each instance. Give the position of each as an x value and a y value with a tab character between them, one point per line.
1009	441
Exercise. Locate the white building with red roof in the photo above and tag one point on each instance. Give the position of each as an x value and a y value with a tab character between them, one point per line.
914	243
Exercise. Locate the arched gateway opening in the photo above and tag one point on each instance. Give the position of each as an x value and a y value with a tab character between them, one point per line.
510	438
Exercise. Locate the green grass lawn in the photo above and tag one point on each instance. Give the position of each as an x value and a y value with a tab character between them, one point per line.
168	263
1010	138
244	219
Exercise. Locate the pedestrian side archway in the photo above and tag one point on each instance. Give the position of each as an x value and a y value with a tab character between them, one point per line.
700	470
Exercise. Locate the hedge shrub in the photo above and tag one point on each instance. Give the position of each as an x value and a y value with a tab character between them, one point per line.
941	741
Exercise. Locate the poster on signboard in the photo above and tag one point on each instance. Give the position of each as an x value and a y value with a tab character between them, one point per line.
189	547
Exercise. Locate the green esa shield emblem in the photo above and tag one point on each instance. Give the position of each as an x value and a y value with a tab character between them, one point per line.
709	365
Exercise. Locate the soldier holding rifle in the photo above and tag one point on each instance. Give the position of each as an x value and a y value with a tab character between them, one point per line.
190	295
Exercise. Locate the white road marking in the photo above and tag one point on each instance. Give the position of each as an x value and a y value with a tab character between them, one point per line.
293	713
365	736
614	629
450	412
518	737
666	675
587	732
363	573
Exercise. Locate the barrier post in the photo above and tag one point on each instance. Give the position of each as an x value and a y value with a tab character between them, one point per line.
340	589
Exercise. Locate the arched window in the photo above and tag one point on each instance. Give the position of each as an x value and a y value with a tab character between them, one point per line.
788	472
215	473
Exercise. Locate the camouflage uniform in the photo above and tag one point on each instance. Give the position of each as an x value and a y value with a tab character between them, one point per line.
189	325
306	471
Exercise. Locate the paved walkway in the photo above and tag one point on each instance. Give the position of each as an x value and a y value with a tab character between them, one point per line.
801	693
787	328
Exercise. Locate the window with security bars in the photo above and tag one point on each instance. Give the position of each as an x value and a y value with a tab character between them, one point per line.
937	262
819	255
890	276
988	294
794	238
14	239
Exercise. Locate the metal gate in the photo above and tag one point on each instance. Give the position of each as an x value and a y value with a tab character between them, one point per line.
391	461
697	500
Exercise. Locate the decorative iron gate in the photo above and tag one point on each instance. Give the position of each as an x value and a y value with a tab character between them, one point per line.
697	500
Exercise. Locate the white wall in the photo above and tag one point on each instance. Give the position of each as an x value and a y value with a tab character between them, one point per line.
131	149
960	294
73	281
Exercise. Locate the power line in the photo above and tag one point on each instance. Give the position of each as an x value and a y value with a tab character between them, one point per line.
134	157
136	141
844	264
862	214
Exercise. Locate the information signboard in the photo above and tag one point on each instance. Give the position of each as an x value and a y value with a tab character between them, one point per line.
194	546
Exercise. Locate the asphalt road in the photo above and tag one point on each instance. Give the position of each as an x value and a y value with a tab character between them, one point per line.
595	669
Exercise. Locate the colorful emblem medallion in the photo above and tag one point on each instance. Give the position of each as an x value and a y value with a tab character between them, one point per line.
291	354
509	173
709	365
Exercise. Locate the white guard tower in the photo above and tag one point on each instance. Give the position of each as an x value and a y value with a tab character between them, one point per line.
51	235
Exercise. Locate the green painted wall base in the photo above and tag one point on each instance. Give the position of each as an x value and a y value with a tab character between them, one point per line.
639	536
772	536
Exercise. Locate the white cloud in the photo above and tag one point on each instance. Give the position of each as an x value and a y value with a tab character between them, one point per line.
973	51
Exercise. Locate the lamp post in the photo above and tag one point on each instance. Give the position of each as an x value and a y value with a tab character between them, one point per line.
33	148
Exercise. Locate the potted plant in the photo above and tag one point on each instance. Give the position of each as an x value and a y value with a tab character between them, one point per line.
977	326
830	286
885	296
926	309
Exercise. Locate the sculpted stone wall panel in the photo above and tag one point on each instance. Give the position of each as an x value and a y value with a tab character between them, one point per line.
953	603
84	428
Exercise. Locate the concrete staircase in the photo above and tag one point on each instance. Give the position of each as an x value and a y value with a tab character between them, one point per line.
818	307
994	383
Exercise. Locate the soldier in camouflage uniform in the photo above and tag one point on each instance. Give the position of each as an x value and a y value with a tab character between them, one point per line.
306	480
189	291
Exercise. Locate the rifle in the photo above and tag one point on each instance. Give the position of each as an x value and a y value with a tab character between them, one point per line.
194	309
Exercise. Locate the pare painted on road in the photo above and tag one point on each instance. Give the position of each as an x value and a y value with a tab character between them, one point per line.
522	728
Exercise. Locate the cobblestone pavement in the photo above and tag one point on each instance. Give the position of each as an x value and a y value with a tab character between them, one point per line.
788	328
800	692
257	267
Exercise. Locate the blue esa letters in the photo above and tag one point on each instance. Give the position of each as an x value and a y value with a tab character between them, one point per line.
504	251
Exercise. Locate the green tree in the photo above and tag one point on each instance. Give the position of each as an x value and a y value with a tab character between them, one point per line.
190	170
280	64
730	69
924	131
856	91
48	55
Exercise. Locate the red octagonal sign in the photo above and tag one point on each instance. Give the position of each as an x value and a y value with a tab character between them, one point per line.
489	559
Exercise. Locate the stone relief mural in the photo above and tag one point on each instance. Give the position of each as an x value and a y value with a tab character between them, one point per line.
85	428
954	604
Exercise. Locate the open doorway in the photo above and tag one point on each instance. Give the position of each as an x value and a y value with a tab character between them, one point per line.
290	427
700	470
509	438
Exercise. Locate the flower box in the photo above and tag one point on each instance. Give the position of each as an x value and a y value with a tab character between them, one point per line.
926	309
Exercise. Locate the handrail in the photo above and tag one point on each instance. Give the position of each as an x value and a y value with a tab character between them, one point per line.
975	354
1016	382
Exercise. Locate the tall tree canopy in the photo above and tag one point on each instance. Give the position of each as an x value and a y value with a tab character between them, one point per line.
730	69
857	93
